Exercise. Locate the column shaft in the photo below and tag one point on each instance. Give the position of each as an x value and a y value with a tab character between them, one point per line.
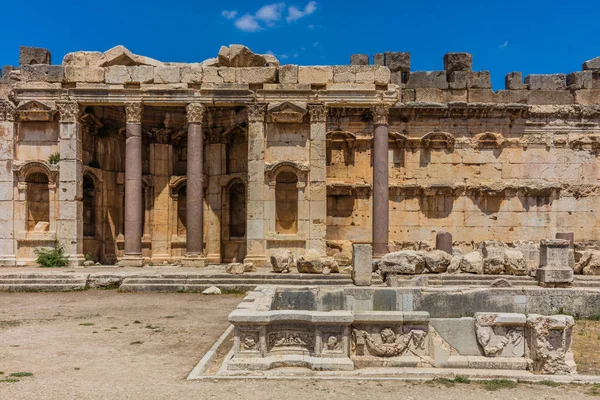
7	135
195	190
381	192
317	239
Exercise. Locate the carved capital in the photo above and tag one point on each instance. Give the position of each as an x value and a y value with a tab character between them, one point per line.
380	114
134	112
195	112
317	112
68	111
256	112
7	111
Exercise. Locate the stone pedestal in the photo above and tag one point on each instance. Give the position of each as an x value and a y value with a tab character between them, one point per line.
195	188
381	189
443	241
362	264
570	236
133	187
255	223
70	194
7	135
554	270
318	179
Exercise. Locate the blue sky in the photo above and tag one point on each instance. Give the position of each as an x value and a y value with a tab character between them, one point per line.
503	36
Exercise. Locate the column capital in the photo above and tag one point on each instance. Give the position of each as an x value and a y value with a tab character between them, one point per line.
256	112
68	111
134	112
317	112
380	114
195	112
7	111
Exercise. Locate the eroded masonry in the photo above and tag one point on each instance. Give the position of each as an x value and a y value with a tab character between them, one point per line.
128	159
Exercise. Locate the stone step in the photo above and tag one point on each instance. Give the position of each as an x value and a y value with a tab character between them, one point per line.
42	287
49	281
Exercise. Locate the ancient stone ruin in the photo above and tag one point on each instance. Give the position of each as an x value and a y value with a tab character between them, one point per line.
133	160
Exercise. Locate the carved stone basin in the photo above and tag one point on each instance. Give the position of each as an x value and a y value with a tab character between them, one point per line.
351	328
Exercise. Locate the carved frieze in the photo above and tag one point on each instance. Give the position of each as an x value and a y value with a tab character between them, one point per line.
488	140
438	140
388	343
291	337
68	111
249	341
195	112
134	112
256	112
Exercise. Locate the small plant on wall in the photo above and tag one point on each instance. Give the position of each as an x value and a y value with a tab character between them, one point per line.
54	158
53	257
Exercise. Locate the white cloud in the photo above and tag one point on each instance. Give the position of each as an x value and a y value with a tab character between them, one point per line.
295	13
503	45
247	23
229	14
270	13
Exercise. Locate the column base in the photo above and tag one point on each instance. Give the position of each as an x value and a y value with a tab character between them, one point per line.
258	260
213	259
76	260
552	277
194	261
132	261
8	260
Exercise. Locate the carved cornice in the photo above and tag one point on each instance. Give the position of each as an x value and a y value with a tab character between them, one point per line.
23	170
195	112
68	111
381	114
317	112
256	112
134	112
7	111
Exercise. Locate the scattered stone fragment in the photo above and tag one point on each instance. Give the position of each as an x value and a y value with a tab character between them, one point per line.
500	282
515	262
403	262
493	265
282	260
359	59
437	261
593	64
458	62
88	263
310	263
34	55
472	263
213	290
235	268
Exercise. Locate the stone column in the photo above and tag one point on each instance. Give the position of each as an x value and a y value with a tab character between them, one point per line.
70	193
255	227
194	256
133	186
7	135
381	194
317	237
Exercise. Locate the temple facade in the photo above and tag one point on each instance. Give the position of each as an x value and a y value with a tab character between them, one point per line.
122	158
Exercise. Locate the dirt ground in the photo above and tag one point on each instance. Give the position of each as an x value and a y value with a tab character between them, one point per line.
108	345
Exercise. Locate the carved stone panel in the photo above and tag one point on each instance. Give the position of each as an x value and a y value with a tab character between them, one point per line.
549	340
501	335
288	337
389	341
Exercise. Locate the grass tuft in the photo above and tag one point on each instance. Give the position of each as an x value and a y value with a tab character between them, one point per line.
86	324
548	383
497	384
137	342
21	374
462	379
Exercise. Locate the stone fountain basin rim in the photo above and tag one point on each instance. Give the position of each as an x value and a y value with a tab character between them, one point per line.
326	317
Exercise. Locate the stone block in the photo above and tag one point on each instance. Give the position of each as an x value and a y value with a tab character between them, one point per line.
587	96
458	62
344	74
479	80
141	74
546	81
592	65
443	241
191	74
397	61
34	55
553	97
42	73
382	76
254	75
379	59
554	263
514	81
84	59
119	55
430	95
359	59
117	74
315	75
84	74
457	80
403	262
288	74
170	74
362	259
427	79
580	80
